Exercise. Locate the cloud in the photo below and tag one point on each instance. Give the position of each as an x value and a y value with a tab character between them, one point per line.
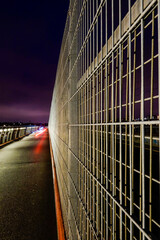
20	112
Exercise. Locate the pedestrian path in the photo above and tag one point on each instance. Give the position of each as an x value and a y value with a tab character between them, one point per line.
27	210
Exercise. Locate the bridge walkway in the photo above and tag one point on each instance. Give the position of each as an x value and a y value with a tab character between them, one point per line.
27	208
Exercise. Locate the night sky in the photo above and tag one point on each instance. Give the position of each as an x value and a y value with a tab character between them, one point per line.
30	39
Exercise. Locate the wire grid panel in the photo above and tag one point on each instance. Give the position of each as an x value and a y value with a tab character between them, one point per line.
104	120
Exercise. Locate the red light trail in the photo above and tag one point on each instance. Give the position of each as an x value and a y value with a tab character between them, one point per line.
40	132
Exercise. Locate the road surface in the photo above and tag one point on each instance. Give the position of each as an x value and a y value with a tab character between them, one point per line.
27	210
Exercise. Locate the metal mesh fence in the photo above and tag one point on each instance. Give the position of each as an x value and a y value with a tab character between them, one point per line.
104	120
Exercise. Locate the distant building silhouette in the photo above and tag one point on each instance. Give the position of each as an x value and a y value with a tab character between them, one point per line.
103	121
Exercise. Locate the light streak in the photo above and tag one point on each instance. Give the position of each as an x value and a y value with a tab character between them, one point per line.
40	132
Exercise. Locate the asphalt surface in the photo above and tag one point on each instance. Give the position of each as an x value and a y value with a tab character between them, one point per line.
27	210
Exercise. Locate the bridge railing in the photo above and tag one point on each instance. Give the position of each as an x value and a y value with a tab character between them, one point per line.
9	134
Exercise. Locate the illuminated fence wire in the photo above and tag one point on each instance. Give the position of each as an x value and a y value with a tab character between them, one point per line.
104	120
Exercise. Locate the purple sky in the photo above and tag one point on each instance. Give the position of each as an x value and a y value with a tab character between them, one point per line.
29	48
